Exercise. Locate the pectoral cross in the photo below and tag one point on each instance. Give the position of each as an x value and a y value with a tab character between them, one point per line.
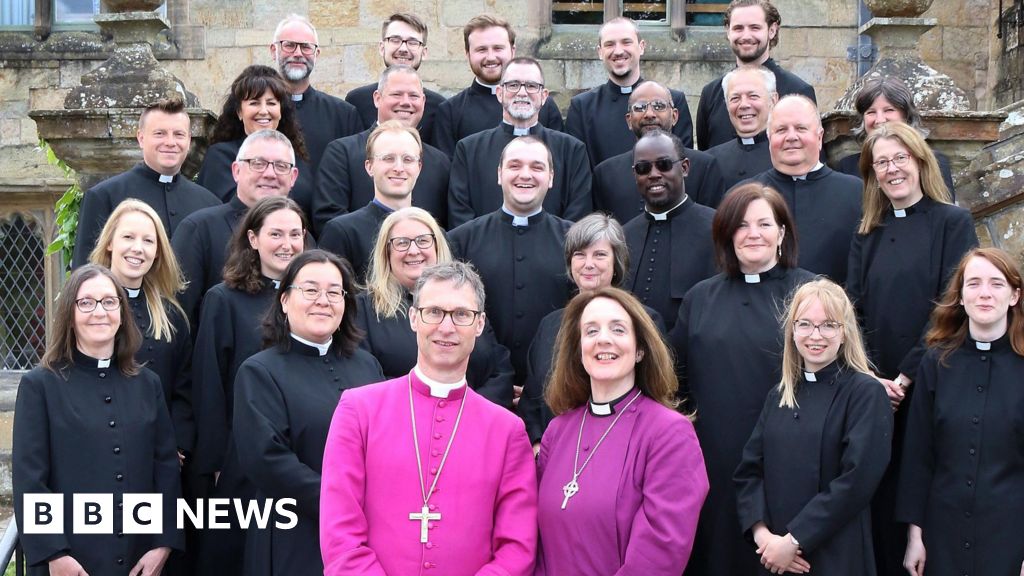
425	516
569	490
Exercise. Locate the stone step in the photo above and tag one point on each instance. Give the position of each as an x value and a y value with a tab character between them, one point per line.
1008	146
991	183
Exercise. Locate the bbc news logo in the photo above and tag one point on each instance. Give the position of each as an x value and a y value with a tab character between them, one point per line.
144	513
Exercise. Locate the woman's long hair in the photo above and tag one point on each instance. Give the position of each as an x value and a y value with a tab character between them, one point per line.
242	270
164	279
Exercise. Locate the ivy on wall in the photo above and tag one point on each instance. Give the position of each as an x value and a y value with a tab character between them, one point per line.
66	209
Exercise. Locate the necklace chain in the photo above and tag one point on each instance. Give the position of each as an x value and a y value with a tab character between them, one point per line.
572	487
416	446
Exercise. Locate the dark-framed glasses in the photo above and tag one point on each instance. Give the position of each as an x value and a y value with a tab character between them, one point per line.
402	244
641	107
828	329
899	161
306	48
87	305
513	86
334	295
260	165
396	41
643	167
460	316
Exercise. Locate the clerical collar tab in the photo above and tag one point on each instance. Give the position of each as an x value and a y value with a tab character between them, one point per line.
899	213
133	292
492	87
608	408
810	377
817	167
518	220
297	97
601	409
277	284
165	179
520	131
321	348
625	89
747	141
983	346
438	389
752	278
662	216
659	216
104	363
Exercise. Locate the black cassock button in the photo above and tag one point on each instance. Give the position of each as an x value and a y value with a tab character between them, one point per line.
972	451
981	388
103	374
120	560
112	424
519	258
796	415
967	545
174	212
519	314
107	399
984	358
117	449
119	477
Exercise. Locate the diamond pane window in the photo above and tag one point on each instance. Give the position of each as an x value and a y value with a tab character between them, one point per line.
22	293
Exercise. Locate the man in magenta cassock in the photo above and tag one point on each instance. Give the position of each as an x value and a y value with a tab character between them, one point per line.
458	496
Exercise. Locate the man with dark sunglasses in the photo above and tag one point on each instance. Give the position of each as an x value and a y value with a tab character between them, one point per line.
651	108
670	246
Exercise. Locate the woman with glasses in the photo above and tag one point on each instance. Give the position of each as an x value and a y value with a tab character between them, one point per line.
409	241
284	401
962	477
820	446
258	99
905	251
596	256
266	240
90	419
728	341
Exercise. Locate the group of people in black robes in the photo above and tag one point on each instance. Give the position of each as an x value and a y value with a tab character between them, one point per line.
846	420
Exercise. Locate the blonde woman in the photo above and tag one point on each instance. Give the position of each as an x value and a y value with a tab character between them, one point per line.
820	446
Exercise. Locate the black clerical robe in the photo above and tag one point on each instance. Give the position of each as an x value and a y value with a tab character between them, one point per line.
615	188
728	344
352	235
474	190
811	470
963	468
362	99
826	207
342	184
713	124
668	257
284	403
476	109
173	201
597	117
851	165
741	158
324	118
523	270
540	359
215	174
93	430
393	343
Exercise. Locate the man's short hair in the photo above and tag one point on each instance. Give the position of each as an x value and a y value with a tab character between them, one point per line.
676	142
802	98
528	139
390	126
172	105
265	134
299	19
665	89
485	21
397	69
769	78
771	16
457	272
616	20
524	60
412	20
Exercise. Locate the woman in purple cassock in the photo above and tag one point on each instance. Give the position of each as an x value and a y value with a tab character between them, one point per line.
622	477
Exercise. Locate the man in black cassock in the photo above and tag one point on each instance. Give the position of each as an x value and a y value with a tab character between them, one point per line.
201	248
394	163
164	136
670	246
490	43
650	108
403	41
593	116
826	204
753	30
473	191
342	184
750	95
518	249
322	117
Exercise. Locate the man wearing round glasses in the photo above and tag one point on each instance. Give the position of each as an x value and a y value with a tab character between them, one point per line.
473	190
403	41
651	108
670	246
393	161
322	117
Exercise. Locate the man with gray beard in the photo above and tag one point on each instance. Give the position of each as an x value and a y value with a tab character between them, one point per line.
474	189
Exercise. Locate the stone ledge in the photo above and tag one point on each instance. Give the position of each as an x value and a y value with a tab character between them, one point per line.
179	43
580	43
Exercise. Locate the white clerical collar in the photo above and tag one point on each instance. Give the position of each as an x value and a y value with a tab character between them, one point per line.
133	292
492	87
752	278
817	167
277	284
899	212
321	348
983	346
625	89
659	216
747	141
165	179
297	97
103	363
517	131
438	389
521	220
810	377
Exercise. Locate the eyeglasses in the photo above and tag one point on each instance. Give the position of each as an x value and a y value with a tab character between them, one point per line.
393	159
657	105
513	86
401	244
396	41
87	305
827	329
334	295
899	161
643	167
460	316
307	48
260	165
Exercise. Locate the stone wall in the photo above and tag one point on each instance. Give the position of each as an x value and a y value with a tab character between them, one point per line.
1010	85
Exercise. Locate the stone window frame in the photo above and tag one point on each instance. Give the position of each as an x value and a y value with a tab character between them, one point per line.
44	41
541	16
